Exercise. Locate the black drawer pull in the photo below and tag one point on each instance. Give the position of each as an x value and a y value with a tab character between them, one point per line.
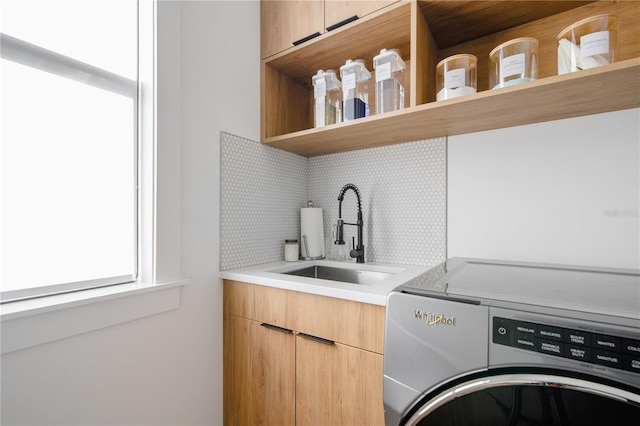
317	339
307	38
276	328
341	23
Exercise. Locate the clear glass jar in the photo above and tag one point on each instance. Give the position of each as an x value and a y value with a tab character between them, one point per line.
513	62
389	68
457	76
328	98
355	90
589	43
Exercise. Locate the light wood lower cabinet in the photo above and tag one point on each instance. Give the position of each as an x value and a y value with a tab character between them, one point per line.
259	374
279	374
337	385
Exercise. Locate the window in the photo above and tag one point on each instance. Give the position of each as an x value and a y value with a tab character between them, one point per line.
69	153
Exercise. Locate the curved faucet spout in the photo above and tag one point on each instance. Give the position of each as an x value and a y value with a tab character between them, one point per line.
341	197
358	250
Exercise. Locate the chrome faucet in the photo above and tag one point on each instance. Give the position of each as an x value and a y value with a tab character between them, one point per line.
358	250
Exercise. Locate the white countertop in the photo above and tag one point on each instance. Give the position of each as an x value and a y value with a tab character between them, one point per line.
375	293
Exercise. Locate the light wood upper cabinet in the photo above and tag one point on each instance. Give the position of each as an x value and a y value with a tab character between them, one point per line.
283	22
427	31
338	10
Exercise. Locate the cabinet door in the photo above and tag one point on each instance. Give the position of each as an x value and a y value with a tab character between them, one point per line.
274	376
283	22
259	374
237	393
338	10
337	385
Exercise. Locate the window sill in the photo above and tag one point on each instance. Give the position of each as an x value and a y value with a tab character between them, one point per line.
80	312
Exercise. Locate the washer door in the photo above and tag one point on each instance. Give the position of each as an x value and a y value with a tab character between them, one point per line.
525	399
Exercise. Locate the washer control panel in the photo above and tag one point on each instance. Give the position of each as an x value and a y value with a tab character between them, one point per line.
602	349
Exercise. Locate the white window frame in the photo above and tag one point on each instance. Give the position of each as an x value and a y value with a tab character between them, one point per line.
79	312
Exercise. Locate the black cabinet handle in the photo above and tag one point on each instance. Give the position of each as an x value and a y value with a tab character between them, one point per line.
307	38
317	339
341	23
276	328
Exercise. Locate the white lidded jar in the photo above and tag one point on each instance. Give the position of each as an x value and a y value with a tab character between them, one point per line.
328	98
389	68
355	89
291	250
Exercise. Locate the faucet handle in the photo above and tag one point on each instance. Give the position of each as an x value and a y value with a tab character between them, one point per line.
357	252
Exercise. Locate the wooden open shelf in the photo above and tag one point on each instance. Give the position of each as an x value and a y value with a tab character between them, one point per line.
611	88
454	22
418	29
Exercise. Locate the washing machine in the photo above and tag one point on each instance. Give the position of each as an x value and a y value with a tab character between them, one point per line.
485	342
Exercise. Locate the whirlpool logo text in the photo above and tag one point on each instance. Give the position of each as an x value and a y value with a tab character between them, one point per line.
431	318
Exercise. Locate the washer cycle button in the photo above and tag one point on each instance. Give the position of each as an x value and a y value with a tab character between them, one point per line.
577	337
610	359
578	352
606	343
527	328
549	332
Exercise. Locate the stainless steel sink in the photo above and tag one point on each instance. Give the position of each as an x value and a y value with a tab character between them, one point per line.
354	276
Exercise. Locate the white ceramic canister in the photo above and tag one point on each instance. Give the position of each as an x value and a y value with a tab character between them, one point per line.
291	251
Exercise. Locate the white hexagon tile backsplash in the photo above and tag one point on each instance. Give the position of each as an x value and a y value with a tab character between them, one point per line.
403	189
262	190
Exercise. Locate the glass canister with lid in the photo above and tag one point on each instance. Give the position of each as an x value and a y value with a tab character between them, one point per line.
513	62
328	98
355	89
589	43
389	68
457	76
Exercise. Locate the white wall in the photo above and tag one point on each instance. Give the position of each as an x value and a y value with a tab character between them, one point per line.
561	192
164	369
220	91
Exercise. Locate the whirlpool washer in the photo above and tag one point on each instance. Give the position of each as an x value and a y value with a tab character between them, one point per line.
480	342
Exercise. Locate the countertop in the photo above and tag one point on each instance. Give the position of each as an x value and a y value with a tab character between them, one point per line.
375	293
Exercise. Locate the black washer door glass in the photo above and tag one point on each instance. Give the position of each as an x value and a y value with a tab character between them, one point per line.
530	405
